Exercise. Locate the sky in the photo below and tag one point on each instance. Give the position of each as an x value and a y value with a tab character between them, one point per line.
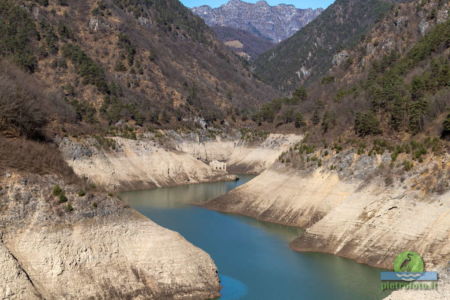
296	3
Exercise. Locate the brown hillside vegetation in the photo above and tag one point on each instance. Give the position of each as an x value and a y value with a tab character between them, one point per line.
308	54
394	84
253	45
139	61
27	111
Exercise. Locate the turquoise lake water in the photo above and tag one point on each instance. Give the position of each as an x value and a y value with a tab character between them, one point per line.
254	258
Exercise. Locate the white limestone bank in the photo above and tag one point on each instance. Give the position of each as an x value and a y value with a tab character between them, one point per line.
349	208
240	155
147	163
94	246
135	164
91	247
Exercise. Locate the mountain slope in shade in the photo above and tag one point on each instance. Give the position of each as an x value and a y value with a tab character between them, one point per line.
273	22
242	42
308	54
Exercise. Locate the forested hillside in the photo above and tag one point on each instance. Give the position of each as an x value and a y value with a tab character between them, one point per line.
390	90
147	62
308	55
110	68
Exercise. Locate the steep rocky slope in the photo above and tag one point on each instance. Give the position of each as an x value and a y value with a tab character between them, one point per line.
275	23
171	158
136	164
392	86
57	242
247	152
127	61
308	54
366	208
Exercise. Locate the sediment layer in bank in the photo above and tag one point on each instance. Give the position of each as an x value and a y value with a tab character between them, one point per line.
179	159
351	210
59	242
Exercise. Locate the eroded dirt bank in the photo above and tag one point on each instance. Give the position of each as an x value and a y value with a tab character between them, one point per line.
364	207
349	208
91	246
58	241
173	160
240	154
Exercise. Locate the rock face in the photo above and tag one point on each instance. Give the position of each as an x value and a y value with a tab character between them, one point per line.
136	164
95	248
15	282
240	155
340	58
340	26
275	23
293	201
352	211
146	163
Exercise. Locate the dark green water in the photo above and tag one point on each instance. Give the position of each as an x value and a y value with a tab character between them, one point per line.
254	259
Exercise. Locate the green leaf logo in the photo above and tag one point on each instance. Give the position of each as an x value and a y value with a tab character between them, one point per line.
409	261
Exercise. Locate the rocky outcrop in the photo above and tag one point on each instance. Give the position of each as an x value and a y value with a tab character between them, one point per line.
135	164
91	247
398	32
293	200
275	23
241	156
15	283
349	208
340	58
374	225
183	159
313	47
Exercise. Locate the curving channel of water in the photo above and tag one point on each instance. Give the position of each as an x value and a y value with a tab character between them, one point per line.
254	258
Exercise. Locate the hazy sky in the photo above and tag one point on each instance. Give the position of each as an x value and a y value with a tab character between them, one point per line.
297	3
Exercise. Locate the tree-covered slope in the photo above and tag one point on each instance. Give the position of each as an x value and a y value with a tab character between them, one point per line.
393	85
143	62
308	54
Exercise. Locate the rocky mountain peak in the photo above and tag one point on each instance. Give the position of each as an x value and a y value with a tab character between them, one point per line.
262	3
275	23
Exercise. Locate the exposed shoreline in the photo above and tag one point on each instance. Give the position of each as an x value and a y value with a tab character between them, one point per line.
95	245
145	164
92	246
282	195
346	219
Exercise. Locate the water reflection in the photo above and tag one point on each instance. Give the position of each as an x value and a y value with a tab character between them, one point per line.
181	196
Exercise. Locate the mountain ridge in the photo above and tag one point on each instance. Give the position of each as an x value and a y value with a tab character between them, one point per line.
390	89
273	22
308	54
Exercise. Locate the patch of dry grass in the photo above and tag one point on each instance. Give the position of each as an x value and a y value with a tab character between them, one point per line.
34	157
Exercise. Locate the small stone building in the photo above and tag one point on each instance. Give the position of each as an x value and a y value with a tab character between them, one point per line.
218	166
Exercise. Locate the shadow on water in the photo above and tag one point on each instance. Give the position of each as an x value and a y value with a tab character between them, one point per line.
253	257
